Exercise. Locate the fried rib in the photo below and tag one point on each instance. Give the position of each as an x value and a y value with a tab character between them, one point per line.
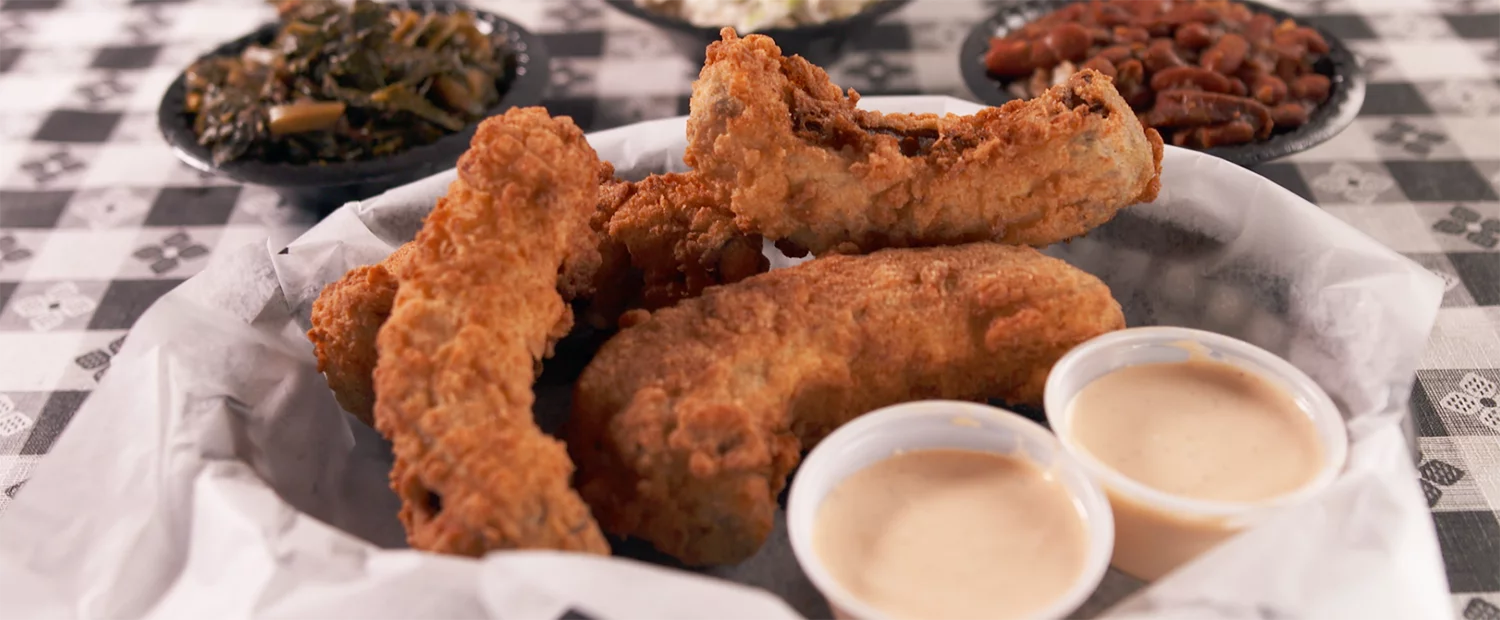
345	320
473	316
808	169
663	239
686	426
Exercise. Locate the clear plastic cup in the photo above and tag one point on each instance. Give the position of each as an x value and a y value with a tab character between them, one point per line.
1155	532
936	424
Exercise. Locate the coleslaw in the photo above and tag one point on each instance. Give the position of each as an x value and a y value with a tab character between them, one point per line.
748	16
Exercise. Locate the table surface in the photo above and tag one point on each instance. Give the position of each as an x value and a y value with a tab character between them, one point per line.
98	219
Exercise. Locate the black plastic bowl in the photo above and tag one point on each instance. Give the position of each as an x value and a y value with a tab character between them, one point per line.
820	44
324	187
1325	122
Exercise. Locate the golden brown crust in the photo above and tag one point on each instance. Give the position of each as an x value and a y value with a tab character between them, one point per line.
345	319
666	238
805	166
471	319
686	425
581	269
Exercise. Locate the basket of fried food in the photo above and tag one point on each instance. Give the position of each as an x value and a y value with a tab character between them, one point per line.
543	383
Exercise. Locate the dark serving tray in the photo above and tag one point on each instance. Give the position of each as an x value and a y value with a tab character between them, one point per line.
1325	122
324	187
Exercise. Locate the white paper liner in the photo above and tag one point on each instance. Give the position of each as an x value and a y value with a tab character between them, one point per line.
213	475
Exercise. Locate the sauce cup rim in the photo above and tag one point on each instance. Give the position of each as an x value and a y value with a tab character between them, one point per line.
1311	397
1089	499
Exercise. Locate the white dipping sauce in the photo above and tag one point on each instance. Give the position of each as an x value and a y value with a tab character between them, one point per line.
952	534
1199	429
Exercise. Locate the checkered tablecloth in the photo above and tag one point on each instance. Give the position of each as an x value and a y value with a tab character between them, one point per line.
97	219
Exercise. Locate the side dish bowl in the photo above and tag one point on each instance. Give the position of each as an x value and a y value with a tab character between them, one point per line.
1346	95
820	44
323	187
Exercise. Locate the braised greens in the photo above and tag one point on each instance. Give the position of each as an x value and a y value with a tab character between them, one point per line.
346	82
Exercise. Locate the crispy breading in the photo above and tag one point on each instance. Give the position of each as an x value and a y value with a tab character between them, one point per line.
666	238
581	269
685	426
472	319
345	319
804	167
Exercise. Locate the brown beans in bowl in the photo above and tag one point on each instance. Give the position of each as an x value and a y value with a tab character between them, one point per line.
1206	73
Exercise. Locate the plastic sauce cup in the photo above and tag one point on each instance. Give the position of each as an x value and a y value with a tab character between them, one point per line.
1155	531
936	424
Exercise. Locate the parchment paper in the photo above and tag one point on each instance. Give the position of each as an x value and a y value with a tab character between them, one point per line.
213	475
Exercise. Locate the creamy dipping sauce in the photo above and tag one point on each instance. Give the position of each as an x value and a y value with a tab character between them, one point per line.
1199	429
952	534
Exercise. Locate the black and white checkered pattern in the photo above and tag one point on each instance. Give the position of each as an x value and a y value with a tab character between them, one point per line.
98	219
